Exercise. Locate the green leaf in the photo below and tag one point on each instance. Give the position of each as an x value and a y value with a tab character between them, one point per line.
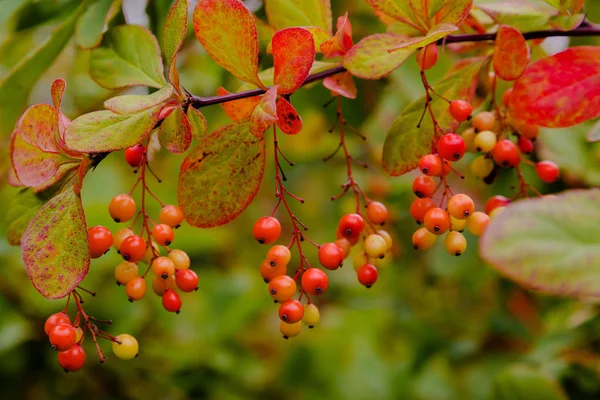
16	86
406	143
290	13
133	103
594	133
175	132
566	22
398	10
101	131
21	210
89	29
454	12
548	244
197	123
129	56
175	30
55	247
517	13
370	59
521	382
221	176
436	33
554	3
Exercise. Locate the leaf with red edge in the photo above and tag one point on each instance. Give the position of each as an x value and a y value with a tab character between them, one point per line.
197	123
559	91
293	56
394	9
452	12
436	33
55	247
511	54
57	90
228	33
288	119
341	42
288	13
370	59
517	13
265	113
175	31
175	132
132	103
221	176
238	110
341	84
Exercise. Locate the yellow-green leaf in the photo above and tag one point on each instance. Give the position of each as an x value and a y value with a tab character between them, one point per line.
436	33
132	103
90	26
291	13
197	123
175	132
21	210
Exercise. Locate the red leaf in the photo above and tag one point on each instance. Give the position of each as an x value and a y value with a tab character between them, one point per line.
57	90
288	119
341	42
511	54
238	110
265	113
293	55
341	84
559	91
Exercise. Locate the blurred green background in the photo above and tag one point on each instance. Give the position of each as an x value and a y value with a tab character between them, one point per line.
434	326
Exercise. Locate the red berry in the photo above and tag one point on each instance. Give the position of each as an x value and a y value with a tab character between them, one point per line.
431	165
171	215
495	202
133	248
460	206
100	240
163	234
54	320
525	145
506	154
134	155
267	230
424	186
269	272
350	226
451	147
460	110
315	281
377	212
437	221
427	56
367	275
419	208
136	288
187	280
62	337
331	256
291	311
171	301
282	288
547	171
73	359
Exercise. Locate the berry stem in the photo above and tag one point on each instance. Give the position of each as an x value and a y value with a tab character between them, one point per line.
87	324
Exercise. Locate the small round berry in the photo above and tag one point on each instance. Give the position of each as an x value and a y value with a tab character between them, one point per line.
424	186
547	171
361	258
291	311
460	206
151	253
525	145
457	224
437	221
290	330
279	254
485	141
163	267
484	121
126	271
282	288
133	248
331	256
160	285
268	272
187	280
506	154
460	110
377	212
100	240
431	165
387	237
420	207
134	155
122	208
427	57
495	202
78	334
163	234
506	97
455	243
125	347
136	288
120	236
482	167
315	281
180	259
422	239
73	359
353	240
345	245
367	275
451	147
375	246
171	215
55	320
477	223
267	230
469	137
171	301
63	337
350	225
312	316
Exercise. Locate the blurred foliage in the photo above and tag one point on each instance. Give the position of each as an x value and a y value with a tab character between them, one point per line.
434	327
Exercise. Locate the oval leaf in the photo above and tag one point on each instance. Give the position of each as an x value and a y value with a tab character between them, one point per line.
174	35
265	113
451	12
238	110
175	132
287	13
293	55
511	54
21	210
55	246
436	33
197	123
227	31
221	176
548	244
561	90
133	103
341	84
288	119
88	32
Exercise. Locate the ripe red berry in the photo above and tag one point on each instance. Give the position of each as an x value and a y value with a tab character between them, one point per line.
547	171
62	337
54	320
100	240
495	202
187	280
134	155
122	208
282	288
350	226
420	207
525	145
315	281
163	267
269	272
424	186
291	311
171	301
451	147
377	212
267	230
279	254
331	255
460	110
460	206
427	57
506	154
136	288
431	165
73	359
171	215
163	234
437	221
133	248
367	275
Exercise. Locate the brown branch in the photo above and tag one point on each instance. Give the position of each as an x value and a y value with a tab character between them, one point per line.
585	29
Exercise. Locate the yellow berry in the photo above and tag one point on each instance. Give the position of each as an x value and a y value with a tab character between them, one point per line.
128	347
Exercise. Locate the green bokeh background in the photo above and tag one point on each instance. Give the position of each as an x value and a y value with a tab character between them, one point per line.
434	327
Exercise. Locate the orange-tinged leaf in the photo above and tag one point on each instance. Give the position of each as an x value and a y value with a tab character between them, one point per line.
436	33
341	42
221	176
559	91
228	32
197	123
342	84
175	132
288	119
370	59
57	90
175	31
238	110
453	12
511	54
55	247
293	56
265	113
